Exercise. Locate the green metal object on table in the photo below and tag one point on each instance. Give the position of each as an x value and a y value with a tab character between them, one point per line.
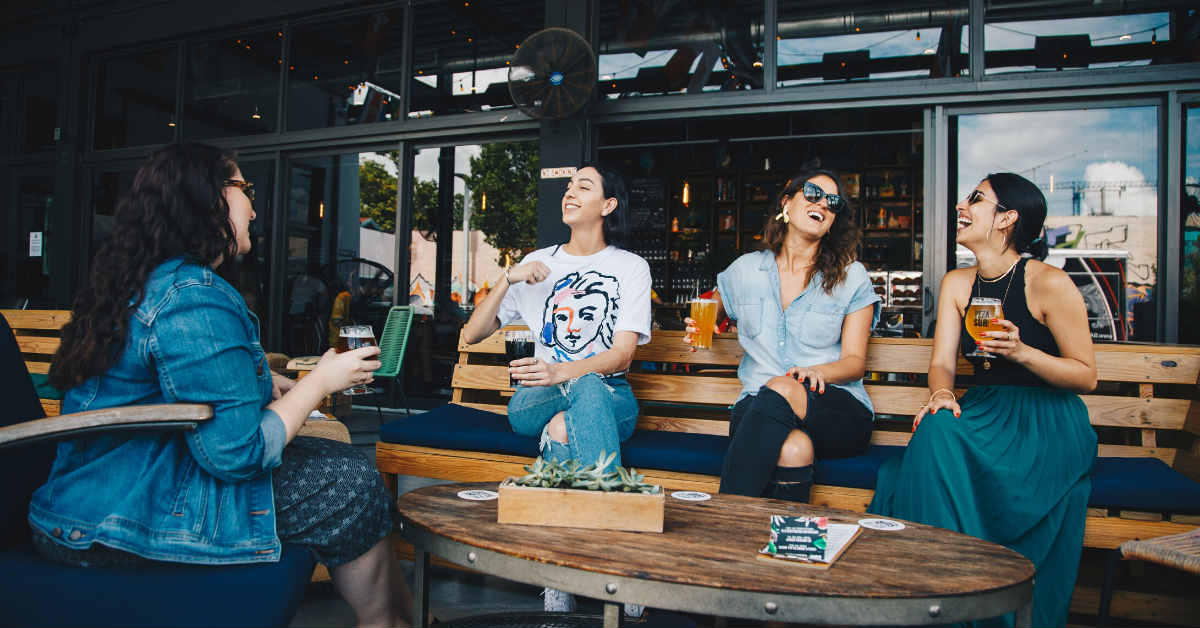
393	340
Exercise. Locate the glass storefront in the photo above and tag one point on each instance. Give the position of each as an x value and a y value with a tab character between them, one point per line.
346	72
135	99
1023	36
461	53
1098	168
232	86
846	41
1189	212
649	49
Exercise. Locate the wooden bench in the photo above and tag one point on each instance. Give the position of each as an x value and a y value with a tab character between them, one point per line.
38	333
1145	397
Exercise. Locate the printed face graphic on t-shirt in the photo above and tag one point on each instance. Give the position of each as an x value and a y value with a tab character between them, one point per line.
580	314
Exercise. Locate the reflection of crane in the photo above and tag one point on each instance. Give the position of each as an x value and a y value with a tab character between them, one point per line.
1033	171
1078	187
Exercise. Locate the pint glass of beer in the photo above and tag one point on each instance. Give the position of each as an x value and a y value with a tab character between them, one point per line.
979	317
704	312
353	337
517	345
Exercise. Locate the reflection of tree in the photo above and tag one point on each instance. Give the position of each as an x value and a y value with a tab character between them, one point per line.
1189	282
377	198
507	172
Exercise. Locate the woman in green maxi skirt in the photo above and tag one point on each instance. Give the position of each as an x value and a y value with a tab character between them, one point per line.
1010	461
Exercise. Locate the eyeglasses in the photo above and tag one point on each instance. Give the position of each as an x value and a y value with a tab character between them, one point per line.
813	193
246	187
975	196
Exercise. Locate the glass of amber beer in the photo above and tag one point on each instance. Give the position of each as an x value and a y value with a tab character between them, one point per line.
979	317
353	337
704	312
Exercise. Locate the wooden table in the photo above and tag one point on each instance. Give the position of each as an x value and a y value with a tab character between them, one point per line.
705	561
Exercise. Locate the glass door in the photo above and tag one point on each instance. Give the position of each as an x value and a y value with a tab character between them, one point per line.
24	277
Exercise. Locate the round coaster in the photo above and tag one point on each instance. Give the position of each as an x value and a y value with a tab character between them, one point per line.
478	495
691	496
886	525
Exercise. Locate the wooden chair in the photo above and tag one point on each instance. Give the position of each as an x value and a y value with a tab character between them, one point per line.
41	593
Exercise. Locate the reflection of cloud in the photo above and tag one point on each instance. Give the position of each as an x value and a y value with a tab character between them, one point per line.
1041	144
1121	190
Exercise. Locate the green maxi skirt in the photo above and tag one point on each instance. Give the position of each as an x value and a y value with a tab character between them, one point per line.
1014	469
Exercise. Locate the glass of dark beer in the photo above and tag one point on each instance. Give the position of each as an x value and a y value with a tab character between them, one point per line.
517	345
353	337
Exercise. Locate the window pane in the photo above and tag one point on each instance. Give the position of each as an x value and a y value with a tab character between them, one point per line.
680	48
346	72
340	246
136	99
107	189
1098	170
1189	280
461	54
9	101
233	86
250	273
40	109
24	278
1028	37
823	43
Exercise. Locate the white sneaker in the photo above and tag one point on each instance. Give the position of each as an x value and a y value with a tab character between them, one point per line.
634	610
556	601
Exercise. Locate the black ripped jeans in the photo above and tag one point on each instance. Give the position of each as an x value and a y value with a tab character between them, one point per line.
837	423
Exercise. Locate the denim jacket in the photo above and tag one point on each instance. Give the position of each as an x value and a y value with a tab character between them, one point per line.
203	496
808	333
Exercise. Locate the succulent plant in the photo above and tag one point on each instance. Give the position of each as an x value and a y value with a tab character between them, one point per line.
593	477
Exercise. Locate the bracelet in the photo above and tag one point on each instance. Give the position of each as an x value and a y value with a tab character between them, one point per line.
941	390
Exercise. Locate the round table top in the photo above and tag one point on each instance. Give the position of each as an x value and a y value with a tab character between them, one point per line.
715	543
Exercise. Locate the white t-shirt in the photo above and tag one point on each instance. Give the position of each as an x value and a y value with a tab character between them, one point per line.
575	312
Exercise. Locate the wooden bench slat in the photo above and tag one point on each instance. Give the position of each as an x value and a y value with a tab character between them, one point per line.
51	320
37	367
44	345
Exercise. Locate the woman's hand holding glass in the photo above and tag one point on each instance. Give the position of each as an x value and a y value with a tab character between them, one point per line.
532	272
536	372
1006	343
339	371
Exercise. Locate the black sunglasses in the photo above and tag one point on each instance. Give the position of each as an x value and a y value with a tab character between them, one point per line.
813	193
976	196
246	187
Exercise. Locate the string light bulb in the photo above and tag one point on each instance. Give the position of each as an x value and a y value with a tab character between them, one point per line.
1154	38
256	115
918	35
483	202
686	194
171	122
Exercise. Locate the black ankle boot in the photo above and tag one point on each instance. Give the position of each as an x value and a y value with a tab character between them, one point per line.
793	484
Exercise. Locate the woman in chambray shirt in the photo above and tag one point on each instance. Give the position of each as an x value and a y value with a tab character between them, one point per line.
805	310
154	323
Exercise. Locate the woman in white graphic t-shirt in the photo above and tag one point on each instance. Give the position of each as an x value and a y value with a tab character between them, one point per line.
588	304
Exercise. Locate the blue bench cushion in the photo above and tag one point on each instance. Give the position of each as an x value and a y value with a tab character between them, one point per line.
1142	484
41	593
1129	483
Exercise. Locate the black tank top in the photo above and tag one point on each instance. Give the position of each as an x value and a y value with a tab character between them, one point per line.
999	371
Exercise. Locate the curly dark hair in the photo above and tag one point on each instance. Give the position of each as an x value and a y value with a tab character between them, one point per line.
838	248
176	207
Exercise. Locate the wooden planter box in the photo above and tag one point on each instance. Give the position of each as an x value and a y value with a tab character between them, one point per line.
578	508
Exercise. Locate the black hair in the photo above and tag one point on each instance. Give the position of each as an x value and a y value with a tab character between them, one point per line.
613	185
1016	193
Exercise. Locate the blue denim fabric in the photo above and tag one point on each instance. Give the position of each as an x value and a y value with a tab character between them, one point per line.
601	414
808	333
203	496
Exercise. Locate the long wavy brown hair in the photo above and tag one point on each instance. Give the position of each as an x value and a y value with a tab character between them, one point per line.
837	249
176	207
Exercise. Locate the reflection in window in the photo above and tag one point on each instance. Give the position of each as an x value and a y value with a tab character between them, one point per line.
250	273
40	109
1189	277
845	42
461	53
136	99
1098	170
232	86
677	48
341	246
107	189
1054	38
24	278
347	72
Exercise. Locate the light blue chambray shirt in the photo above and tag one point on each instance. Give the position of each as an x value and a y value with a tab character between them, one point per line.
809	333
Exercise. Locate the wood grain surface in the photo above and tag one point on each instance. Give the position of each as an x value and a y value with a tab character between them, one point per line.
50	320
123	415
715	543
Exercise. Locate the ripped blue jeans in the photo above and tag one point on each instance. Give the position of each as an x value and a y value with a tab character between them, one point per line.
600	415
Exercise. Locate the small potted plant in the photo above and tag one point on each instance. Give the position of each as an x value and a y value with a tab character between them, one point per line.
566	494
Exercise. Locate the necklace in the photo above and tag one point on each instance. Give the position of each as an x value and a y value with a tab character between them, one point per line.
1002	275
987	364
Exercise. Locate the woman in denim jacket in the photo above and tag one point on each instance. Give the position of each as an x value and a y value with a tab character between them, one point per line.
156	324
805	310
